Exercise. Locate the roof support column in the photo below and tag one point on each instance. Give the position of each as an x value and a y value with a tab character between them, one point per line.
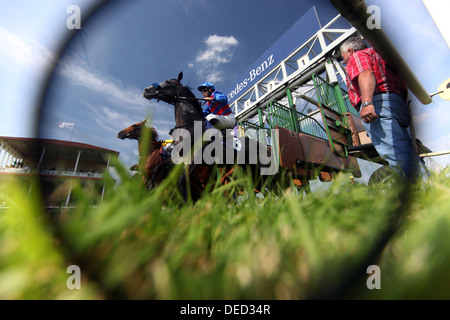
73	174
3	157
107	170
8	160
40	160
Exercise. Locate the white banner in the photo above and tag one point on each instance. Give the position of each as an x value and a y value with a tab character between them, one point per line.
67	125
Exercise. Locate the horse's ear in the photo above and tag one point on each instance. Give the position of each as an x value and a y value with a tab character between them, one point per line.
180	76
143	122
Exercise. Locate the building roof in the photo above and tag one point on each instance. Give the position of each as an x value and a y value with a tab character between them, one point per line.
33	147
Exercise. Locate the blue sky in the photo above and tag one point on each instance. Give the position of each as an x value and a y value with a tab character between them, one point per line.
127	45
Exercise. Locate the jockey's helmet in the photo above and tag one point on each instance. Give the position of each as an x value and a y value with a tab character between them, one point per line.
208	85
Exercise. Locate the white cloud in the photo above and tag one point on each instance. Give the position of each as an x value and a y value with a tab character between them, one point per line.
219	50
110	103
24	63
24	51
190	5
113	90
110	119
25	57
215	76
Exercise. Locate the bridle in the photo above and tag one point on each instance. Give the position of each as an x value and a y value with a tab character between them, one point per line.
132	134
161	94
159	91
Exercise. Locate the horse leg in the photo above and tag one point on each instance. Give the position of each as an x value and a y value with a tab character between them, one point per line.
155	176
160	168
188	180
144	181
183	187
200	177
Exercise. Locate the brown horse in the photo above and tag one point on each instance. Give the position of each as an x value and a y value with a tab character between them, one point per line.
157	164
151	154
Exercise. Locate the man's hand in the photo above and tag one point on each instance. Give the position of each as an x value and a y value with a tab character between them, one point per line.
368	114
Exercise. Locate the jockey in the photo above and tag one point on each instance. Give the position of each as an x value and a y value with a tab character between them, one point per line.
167	146
218	112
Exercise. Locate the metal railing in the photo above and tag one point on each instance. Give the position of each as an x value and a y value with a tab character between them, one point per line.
61	173
255	131
327	95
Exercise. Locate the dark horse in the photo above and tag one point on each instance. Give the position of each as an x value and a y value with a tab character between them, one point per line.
189	117
156	165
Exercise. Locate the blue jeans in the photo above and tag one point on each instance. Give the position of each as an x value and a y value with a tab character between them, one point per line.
390	136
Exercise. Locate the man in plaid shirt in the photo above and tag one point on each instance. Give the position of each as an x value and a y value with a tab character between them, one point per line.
380	97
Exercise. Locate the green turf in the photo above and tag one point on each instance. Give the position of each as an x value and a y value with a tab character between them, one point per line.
231	244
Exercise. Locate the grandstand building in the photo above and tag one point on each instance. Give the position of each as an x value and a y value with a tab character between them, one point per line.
57	164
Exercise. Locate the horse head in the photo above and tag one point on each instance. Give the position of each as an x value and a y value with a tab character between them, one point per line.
150	153
133	132
167	91
187	108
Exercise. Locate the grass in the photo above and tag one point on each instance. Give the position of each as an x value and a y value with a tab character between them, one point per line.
137	244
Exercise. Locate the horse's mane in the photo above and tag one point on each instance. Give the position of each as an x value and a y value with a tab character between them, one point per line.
154	142
154	134
195	102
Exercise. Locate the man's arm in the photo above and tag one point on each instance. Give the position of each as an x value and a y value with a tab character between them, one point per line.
367	84
219	96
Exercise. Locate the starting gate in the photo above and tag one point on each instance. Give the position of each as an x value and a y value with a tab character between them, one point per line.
318	131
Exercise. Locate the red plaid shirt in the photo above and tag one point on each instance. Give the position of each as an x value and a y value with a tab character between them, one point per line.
387	80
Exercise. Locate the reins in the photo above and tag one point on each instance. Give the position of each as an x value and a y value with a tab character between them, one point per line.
190	98
161	93
158	88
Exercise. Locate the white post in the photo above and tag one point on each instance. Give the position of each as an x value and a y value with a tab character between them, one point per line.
76	163
40	160
71	135
3	157
8	160
73	174
107	169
